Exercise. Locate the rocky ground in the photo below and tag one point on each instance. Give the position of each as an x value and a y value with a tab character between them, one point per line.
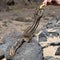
16	20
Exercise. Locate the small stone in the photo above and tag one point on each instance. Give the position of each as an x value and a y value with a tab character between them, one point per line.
50	58
43	36
58	51
52	23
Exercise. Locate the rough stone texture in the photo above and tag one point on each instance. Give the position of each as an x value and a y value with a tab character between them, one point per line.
52	34
51	58
8	40
29	51
11	37
42	37
52	22
50	37
58	51
50	30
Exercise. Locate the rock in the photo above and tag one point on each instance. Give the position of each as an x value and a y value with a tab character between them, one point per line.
3	49
56	34
42	36
52	23
58	51
47	57
29	51
58	18
12	37
9	40
54	59
51	58
51	29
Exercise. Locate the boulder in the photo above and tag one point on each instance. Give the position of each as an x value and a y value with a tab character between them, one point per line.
29	51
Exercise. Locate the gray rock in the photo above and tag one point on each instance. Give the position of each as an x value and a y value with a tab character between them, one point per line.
54	59
58	51
52	23
43	36
11	37
47	57
58	18
29	51
52	34
9	40
51	58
